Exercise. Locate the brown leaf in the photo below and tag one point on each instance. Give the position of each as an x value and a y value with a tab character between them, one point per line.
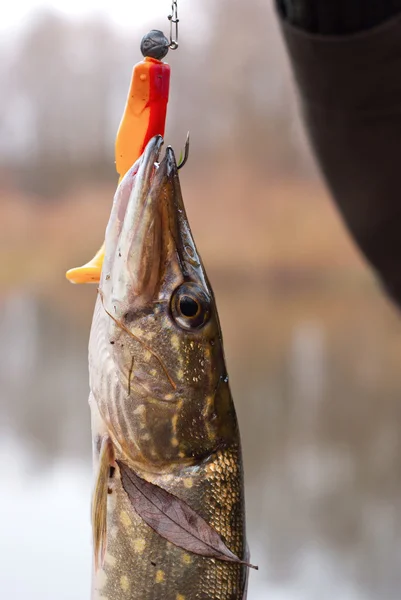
173	519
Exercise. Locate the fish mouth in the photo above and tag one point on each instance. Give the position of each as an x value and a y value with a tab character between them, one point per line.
137	237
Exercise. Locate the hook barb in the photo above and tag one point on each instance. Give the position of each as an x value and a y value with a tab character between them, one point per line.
186	153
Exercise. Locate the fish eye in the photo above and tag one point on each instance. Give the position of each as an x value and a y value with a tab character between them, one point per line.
190	306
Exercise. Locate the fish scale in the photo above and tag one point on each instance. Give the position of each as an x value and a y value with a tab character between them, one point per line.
137	552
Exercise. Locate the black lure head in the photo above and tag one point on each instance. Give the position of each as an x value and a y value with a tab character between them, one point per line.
155	44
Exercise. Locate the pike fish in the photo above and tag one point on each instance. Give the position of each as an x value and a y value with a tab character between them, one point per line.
168	505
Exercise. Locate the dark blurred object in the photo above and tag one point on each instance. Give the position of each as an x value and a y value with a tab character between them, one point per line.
351	96
337	17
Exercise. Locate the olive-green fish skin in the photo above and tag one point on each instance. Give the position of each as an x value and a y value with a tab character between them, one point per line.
160	392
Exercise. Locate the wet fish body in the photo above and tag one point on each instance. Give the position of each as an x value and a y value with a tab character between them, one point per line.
166	443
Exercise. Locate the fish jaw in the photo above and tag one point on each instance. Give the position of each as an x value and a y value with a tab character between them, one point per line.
132	236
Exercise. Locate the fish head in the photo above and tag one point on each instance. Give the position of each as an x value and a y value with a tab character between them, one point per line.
160	382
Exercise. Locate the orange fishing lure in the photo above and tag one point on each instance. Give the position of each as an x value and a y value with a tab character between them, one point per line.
144	117
145	111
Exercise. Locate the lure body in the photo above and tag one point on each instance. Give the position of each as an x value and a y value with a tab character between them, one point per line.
145	112
144	117
161	405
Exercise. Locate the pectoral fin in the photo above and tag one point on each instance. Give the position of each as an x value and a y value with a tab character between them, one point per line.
99	501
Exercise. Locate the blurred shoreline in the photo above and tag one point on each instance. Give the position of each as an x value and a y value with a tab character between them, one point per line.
289	239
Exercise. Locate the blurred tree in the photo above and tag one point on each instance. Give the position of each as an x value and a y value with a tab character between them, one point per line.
234	81
42	76
250	79
66	85
64	74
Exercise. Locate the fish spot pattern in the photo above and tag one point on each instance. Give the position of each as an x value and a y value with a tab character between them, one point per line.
147	356
124	582
125	519
139	545
175	342
159	576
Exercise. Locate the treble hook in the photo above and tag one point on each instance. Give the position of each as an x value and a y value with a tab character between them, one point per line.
186	154
173	18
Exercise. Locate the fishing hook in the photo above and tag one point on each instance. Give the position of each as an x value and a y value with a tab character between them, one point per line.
186	154
174	20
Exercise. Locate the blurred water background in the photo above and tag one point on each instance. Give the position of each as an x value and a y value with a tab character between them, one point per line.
313	347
